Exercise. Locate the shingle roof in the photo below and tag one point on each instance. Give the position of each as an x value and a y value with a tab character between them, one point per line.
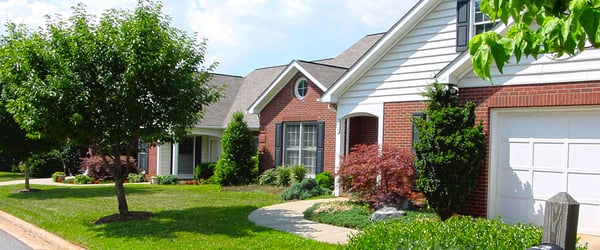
243	91
214	115
325	74
349	56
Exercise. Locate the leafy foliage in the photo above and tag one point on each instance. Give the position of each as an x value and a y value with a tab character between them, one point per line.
459	232
56	174
449	151
204	170
546	26
379	177
304	189
325	180
106	83
268	177
237	164
95	167
167	179
135	178
83	179
283	176
42	165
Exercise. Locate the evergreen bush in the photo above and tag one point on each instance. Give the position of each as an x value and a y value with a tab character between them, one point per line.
305	189
449	150
237	163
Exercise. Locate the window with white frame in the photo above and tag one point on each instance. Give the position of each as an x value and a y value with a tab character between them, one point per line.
301	88
300	145
470	21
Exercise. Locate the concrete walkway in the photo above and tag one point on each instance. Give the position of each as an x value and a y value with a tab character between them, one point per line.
289	217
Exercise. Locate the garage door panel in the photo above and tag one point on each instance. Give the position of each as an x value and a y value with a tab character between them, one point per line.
584	187
584	125
519	154
584	156
511	209
547	184
589	218
538	212
519	125
515	184
559	128
548	155
540	152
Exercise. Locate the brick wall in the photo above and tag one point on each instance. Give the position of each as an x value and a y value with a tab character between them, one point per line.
540	95
285	107
152	157
397	123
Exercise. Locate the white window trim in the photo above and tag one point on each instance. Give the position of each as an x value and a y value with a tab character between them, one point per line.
300	147
472	23
296	88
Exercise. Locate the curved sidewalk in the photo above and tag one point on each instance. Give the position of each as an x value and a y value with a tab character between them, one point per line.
289	217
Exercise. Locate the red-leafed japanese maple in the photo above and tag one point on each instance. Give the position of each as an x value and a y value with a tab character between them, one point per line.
378	176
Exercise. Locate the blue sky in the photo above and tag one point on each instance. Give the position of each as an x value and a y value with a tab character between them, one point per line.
247	34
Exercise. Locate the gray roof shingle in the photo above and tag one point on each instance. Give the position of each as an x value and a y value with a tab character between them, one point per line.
241	92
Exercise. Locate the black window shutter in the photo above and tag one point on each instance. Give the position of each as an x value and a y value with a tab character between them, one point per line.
462	25
278	141
320	146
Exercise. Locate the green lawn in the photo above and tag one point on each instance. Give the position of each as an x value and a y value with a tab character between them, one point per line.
8	176
185	217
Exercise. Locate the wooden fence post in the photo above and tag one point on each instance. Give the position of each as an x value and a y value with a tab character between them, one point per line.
560	221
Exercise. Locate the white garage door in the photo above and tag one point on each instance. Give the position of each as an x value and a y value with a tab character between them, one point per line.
537	153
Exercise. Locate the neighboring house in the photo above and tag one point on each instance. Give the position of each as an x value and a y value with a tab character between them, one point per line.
541	117
297	129
204	144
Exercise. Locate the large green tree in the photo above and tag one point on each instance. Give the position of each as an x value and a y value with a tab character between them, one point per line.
450	149
107	83
536	27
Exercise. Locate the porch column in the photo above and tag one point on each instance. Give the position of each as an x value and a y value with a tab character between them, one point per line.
339	151
175	159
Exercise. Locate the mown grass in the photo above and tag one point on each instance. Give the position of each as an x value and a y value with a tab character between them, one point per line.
185	217
9	176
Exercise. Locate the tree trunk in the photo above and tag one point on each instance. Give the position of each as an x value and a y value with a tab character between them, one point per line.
27	175
119	178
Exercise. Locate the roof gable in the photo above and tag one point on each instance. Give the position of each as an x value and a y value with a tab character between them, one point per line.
395	34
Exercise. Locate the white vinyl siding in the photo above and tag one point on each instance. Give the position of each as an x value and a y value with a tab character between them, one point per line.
165	159
402	72
583	67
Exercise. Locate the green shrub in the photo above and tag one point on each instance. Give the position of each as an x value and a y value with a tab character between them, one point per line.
283	174
204	171
459	232
340	213
269	177
450	149
70	180
325	180
83	179
134	178
303	190
237	164
56	174
43	165
210	180
297	173
167	179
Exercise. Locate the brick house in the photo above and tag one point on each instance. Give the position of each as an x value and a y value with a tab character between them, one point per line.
541	116
295	127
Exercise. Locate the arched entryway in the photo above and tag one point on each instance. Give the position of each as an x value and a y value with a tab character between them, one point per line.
362	129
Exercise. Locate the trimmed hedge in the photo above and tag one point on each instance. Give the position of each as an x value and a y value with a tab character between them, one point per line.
458	232
305	189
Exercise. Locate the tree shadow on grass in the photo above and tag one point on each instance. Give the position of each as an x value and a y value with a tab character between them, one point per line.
231	221
50	192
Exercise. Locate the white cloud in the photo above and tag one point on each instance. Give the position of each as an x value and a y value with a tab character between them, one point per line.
247	34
